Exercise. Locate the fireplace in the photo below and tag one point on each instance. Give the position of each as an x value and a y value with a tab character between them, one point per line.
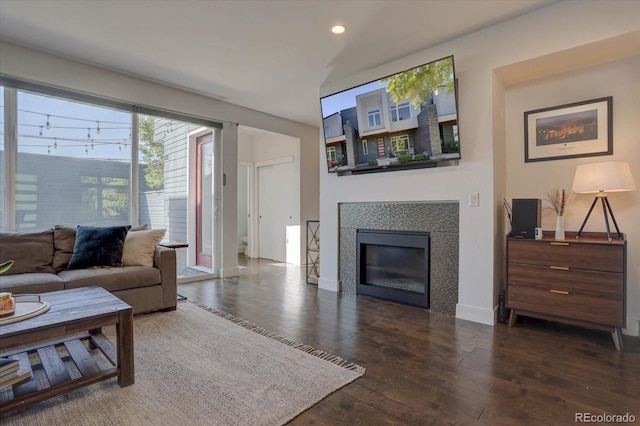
394	265
440	219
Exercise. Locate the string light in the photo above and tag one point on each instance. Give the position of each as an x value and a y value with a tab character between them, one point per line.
89	120
162	129
74	127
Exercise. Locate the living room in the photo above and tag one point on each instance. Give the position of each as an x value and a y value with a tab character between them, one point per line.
562	53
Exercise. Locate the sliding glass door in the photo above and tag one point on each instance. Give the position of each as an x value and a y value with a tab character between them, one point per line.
74	159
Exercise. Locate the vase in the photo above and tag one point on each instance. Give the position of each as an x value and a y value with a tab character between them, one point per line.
559	228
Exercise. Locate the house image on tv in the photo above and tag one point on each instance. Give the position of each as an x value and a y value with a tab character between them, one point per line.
379	129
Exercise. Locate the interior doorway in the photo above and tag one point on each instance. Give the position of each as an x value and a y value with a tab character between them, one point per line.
274	188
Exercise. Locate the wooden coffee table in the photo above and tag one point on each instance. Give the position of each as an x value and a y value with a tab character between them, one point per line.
65	349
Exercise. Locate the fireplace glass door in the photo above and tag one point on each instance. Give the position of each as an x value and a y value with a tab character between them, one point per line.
394	266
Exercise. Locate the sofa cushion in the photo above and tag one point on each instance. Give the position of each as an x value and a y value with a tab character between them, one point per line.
98	246
64	238
30	283
139	247
111	278
32	251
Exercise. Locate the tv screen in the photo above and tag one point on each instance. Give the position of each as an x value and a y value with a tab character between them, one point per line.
407	120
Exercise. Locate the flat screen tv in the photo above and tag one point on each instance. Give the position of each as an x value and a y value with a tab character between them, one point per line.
408	120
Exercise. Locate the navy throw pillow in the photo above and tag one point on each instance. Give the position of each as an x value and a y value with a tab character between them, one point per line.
98	246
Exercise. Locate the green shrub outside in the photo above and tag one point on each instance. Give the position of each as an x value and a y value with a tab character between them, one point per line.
420	157
404	158
372	162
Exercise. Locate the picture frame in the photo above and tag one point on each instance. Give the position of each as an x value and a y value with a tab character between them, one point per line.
580	129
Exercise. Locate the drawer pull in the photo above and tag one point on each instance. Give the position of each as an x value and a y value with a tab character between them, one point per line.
558	244
561	268
559	292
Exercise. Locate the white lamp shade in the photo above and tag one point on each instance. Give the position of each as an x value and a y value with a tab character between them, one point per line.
608	176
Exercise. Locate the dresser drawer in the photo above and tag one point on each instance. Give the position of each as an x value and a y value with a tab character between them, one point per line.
600	257
608	285
573	305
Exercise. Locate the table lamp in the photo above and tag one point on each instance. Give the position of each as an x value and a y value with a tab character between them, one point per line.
600	178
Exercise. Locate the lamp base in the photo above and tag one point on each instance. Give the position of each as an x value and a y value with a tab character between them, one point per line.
605	206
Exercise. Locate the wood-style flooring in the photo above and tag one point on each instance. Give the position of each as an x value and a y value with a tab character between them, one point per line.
426	368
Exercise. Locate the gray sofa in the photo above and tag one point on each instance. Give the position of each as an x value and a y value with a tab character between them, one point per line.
41	259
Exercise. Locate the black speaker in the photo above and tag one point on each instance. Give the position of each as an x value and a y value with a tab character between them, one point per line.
525	217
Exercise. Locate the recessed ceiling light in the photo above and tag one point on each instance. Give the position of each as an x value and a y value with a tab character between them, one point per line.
338	29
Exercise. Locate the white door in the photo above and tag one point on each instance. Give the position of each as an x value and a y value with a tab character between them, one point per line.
275	209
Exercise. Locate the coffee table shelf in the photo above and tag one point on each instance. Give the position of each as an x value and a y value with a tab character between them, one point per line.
64	349
60	367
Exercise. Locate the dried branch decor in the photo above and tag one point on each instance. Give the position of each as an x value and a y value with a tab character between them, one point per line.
556	199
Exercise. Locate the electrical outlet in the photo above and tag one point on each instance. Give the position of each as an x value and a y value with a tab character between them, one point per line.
474	199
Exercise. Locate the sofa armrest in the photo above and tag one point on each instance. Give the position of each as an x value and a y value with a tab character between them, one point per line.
165	259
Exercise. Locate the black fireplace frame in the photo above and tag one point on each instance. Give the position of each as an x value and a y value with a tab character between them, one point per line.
399	239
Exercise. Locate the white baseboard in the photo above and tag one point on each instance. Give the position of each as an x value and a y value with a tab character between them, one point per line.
476	314
234	271
331	285
633	328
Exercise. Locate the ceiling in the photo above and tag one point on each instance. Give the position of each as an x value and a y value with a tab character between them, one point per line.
267	55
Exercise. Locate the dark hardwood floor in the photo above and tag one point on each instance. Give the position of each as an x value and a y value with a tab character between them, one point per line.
426	368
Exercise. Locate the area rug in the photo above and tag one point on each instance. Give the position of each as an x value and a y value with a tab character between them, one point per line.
198	366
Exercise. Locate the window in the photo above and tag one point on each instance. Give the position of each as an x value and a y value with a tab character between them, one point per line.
83	160
327	129
73	163
331	153
400	112
399	143
365	147
374	117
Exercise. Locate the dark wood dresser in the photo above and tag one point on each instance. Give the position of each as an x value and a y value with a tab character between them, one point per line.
580	282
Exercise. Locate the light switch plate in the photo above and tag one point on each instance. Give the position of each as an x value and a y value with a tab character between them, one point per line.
474	199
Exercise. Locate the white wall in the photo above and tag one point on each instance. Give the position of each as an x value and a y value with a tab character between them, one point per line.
32	65
564	25
245	146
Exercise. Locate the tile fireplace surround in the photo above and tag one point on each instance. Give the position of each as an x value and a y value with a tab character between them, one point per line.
440	218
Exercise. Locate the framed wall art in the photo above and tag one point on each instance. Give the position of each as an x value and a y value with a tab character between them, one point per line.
580	129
